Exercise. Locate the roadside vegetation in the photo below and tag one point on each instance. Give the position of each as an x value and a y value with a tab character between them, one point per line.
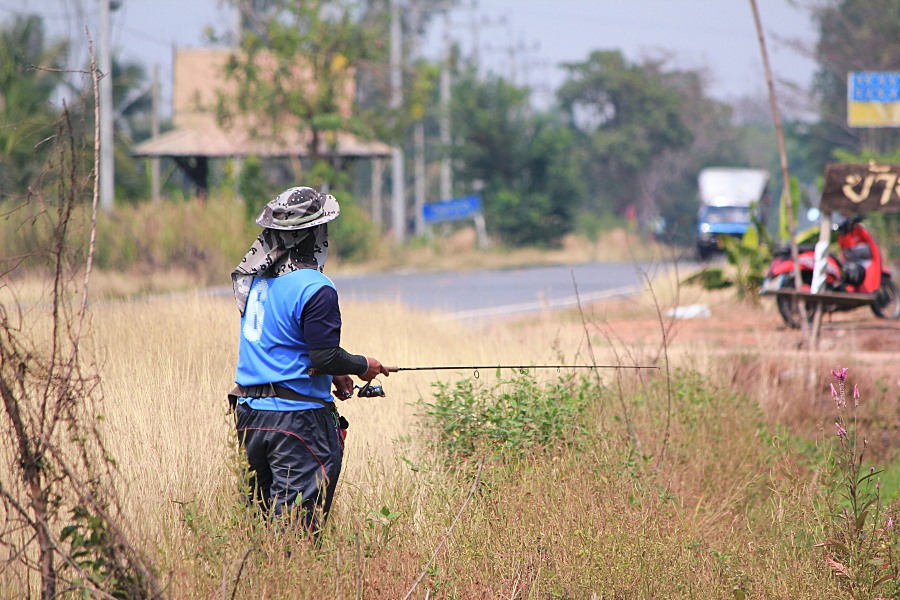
174	246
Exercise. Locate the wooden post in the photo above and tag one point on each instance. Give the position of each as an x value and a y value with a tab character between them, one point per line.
785	175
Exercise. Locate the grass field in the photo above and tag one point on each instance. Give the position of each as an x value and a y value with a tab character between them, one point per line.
713	477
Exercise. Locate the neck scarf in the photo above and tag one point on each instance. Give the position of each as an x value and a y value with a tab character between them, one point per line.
278	252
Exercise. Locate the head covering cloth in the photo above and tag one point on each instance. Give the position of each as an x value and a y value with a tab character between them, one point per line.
294	236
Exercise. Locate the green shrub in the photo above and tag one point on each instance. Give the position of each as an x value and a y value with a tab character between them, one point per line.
590	224
253	187
353	235
533	219
513	417
206	238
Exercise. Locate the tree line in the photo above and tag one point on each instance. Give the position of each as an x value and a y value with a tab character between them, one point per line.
622	141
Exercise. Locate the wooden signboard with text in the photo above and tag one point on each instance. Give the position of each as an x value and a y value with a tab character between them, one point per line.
851	188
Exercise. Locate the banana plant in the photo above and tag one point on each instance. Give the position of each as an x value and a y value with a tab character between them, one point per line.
748	258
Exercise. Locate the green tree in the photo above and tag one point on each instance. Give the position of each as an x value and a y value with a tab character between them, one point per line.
29	75
627	114
487	123
293	70
132	124
524	166
854	35
667	188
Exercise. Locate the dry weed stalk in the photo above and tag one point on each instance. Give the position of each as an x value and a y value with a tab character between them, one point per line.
626	417
447	533
666	331
60	531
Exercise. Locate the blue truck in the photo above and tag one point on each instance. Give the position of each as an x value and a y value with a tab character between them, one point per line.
729	197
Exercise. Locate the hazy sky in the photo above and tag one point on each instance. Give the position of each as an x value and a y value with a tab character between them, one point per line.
524	39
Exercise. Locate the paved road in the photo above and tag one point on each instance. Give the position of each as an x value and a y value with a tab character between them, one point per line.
477	294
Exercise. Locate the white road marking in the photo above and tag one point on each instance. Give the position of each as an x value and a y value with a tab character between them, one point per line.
526	307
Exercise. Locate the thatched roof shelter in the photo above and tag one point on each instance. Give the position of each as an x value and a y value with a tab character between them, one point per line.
197	136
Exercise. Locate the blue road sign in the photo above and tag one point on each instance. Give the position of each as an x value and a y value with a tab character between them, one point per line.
451	210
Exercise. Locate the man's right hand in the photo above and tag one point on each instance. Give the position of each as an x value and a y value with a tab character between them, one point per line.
375	369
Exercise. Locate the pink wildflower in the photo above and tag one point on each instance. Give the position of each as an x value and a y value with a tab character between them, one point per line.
834	393
890	522
840	374
840	430
855	395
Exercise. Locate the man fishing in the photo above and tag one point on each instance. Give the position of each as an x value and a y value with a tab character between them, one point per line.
290	357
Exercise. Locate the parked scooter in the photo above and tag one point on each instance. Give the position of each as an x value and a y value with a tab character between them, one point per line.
856	278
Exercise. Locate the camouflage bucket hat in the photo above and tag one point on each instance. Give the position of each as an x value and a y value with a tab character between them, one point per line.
298	208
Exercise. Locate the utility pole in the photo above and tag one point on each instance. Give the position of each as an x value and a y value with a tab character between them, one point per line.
475	40
446	172
107	162
377	205
419	176
154	131
418	133
810	330
475	25
398	192
517	51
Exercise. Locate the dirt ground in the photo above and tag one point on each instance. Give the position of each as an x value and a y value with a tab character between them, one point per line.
725	323
775	367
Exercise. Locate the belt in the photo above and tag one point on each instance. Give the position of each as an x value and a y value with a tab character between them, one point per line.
268	390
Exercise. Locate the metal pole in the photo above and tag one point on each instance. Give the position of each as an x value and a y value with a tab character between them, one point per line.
419	176
419	182
107	162
446	173
154	131
377	208
398	193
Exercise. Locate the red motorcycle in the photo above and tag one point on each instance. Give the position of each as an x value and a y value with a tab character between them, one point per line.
856	278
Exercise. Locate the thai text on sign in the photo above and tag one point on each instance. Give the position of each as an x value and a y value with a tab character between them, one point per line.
861	188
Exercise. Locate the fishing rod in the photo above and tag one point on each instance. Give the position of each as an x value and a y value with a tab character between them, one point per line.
369	390
517	367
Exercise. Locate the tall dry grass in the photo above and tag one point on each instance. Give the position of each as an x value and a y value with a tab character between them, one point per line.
684	486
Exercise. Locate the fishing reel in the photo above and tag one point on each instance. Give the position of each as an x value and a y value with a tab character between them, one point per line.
369	390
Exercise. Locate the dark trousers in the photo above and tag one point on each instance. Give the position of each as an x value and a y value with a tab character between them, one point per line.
294	459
